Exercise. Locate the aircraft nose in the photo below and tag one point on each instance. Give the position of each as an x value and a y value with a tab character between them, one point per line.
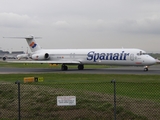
152	60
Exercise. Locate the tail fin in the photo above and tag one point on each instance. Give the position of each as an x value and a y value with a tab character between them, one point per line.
31	42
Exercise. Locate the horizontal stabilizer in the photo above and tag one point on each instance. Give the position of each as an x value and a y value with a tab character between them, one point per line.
29	37
33	45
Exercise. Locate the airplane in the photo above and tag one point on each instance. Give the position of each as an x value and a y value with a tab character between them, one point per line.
81	57
23	56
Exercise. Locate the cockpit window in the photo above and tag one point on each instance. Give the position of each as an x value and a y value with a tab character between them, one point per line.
144	53
141	53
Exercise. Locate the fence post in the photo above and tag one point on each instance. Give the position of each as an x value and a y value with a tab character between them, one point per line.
114	83
19	111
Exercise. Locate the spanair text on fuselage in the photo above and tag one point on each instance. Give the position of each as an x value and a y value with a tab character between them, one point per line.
96	56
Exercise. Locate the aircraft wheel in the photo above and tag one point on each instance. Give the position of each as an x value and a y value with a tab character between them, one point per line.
80	67
64	67
145	69
4	58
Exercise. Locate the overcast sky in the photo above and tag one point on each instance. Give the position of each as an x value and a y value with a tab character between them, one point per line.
81	23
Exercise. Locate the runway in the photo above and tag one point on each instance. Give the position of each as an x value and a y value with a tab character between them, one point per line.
153	70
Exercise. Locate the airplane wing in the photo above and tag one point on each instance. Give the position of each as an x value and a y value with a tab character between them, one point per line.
50	62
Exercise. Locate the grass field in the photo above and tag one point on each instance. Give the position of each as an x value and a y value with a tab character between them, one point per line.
147	84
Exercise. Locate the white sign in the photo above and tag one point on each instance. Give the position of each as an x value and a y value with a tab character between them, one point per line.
66	100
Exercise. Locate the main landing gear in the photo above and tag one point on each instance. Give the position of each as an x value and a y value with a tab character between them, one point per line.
64	67
80	67
146	68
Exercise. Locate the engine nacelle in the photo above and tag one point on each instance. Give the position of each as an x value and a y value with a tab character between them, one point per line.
4	58
40	56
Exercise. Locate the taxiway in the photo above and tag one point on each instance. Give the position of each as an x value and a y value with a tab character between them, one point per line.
153	70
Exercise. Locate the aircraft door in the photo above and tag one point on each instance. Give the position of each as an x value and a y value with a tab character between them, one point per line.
132	57
72	55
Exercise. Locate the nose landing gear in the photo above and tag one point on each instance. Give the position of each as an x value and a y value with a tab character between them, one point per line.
146	68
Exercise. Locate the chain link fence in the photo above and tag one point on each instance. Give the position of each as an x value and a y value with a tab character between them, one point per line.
94	101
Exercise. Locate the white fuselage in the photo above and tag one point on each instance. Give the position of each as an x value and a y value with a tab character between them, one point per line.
135	57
